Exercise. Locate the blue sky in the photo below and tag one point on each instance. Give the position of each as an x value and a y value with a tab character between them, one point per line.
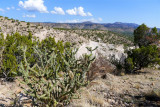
101	11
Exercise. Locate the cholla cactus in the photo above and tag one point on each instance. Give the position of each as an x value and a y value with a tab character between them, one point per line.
47	83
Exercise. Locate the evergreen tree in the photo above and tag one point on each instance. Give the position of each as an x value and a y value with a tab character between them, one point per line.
139	34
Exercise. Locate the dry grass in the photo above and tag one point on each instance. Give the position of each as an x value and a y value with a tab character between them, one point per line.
91	96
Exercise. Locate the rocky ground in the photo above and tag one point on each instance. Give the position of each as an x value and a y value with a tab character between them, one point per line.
134	90
122	91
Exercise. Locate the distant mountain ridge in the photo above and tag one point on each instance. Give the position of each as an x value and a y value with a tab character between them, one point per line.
119	27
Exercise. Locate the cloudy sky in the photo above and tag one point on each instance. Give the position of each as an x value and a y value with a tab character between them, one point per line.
100	11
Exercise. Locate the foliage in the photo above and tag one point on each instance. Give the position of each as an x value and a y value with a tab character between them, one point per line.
1	50
117	62
154	31
47	43
49	69
11	56
28	23
147	53
56	75
102	35
144	36
129	66
140	33
141	57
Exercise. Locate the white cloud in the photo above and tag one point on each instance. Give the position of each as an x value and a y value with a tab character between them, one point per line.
30	16
58	10
72	11
81	12
8	8
18	9
1	10
34	5
80	20
71	21
78	11
12	7
89	14
100	19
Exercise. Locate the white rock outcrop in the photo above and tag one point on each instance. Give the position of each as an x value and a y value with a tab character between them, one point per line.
104	50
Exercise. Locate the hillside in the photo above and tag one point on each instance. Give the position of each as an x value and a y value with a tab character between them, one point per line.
10	26
100	55
109	43
124	28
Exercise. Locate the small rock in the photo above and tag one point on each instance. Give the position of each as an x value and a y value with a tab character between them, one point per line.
126	104
111	101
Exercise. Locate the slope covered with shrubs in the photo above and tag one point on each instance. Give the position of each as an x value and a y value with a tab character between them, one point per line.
49	69
147	52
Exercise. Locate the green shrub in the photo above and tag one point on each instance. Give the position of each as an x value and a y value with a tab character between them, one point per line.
49	69
28	24
1	51
139	34
6	17
141	57
11	56
129	66
56	76
144	36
